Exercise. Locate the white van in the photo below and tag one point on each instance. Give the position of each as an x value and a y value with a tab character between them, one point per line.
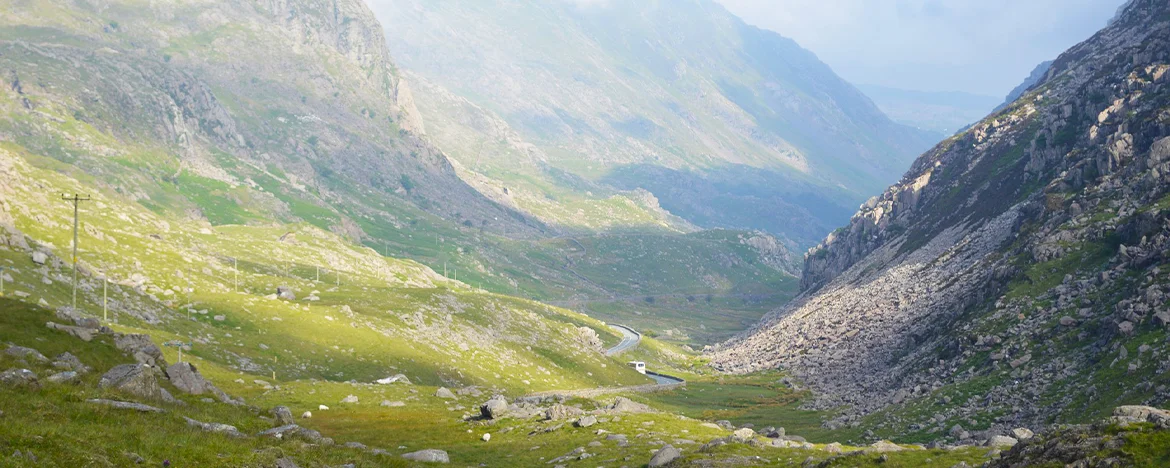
638	366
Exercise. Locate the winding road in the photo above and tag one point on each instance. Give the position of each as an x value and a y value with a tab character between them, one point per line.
630	338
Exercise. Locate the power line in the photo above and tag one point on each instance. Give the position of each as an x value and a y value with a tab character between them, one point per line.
76	200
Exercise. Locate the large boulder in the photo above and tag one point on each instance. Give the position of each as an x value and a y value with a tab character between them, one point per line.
587	421
1001	441
626	405
133	379
186	378
1139	414
142	349
494	408
428	456
445	393
665	456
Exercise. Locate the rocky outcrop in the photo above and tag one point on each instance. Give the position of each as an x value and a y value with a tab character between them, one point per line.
1046	222
136	380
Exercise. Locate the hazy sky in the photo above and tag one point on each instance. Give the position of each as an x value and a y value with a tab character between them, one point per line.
978	46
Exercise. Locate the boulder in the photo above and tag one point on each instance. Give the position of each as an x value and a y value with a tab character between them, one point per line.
81	333
186	378
397	378
351	399
587	421
626	405
142	349
558	412
882	446
19	378
69	362
64	377
494	408
225	429
133	379
293	431
126	405
27	354
284	292
1140	414
428	456
1021	433
39	257
392	404
743	435
282	415
665	456
445	393
1001	441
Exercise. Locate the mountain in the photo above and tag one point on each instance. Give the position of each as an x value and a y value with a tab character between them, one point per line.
1017	273
679	105
941	112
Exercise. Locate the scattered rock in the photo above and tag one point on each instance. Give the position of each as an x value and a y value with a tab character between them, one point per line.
64	377
225	429
665	456
352	399
142	349
428	456
743	435
282	415
392	404
39	257
444	393
284	292
186	378
133	379
126	405
494	408
398	378
587	421
626	405
558	412
1022	433
19	378
27	354
882	446
1001	441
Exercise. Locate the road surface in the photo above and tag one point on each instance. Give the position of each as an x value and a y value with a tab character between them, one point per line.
630	338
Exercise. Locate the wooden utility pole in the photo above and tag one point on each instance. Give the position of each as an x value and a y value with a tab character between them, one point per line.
76	200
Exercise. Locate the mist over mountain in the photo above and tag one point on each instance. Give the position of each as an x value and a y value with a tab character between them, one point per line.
676	98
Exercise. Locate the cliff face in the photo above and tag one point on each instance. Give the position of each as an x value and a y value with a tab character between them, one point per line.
1024	258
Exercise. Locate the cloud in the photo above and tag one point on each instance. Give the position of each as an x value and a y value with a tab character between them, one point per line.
983	46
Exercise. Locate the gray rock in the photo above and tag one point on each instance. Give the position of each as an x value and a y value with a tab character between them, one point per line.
428	456
587	421
882	446
1001	441
186	378
495	408
218	428
284	292
133	379
351	399
665	456
558	412
64	377
392	404
28	354
39	257
1022	433
19	378
286	463
444	393
743	435
626	405
67	361
126	405
282	415
142	349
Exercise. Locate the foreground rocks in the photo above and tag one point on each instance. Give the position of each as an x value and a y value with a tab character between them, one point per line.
136	380
428	456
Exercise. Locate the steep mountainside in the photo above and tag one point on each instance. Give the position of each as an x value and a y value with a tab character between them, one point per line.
720	121
1018	272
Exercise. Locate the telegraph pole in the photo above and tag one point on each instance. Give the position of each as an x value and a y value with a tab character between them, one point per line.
76	200
236	273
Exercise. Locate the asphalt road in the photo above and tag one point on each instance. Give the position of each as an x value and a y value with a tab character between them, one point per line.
630	338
